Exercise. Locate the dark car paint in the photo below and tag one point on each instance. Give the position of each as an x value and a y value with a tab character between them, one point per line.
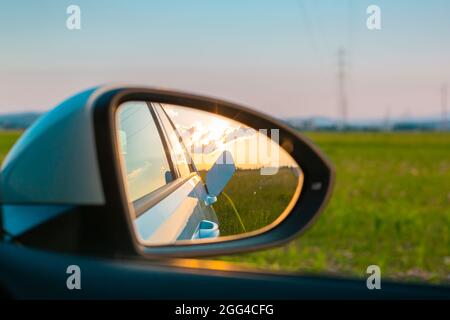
34	274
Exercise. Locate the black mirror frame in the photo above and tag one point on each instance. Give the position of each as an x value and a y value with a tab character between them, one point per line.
316	190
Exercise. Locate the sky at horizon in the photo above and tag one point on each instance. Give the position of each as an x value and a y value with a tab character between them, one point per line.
279	57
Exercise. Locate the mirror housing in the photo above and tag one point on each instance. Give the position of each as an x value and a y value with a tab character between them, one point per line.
73	151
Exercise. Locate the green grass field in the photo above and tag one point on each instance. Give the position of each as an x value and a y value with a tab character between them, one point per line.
391	207
7	139
258	200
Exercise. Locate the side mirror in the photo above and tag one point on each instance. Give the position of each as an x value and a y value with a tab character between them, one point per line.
133	171
219	175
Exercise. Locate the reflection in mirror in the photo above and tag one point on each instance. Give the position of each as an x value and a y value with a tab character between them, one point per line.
192	175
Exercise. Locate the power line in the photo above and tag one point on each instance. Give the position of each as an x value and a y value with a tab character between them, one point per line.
387	119
308	26
342	94
444	101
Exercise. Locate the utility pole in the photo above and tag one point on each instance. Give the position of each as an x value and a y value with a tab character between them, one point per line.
444	101
342	94
387	120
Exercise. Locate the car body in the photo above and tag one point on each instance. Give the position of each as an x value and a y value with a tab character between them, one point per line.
179	209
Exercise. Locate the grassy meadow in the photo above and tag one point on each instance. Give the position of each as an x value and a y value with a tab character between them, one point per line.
258	200
390	207
7	140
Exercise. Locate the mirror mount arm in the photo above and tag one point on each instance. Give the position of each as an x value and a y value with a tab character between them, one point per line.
219	176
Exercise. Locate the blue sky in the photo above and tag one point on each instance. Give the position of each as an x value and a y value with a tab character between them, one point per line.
277	56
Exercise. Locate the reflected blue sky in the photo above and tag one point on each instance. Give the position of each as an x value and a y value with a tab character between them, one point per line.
147	169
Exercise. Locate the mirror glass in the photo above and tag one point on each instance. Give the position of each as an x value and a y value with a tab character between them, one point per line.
194	176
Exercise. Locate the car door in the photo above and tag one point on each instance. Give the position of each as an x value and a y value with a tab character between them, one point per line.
164	188
203	217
